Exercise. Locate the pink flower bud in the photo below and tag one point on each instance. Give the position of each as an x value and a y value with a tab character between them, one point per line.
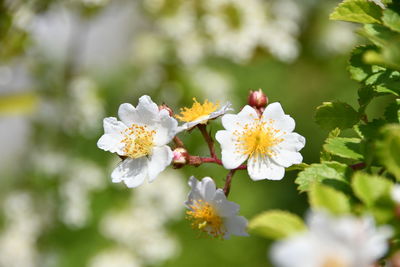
257	99
167	108
180	157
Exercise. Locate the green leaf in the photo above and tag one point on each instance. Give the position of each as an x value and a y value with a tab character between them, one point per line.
322	172
322	196
392	112
331	115
361	11
369	188
391	19
371	129
297	167
358	68
276	224
344	147
388	148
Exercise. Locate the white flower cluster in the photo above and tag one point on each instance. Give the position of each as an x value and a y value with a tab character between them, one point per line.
141	138
344	241
229	28
143	220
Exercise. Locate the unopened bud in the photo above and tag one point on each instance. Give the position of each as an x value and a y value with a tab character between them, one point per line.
257	99
167	108
180	157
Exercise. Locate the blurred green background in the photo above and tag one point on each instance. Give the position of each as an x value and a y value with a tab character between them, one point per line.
65	65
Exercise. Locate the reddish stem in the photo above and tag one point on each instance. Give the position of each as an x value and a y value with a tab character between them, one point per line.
178	142
358	166
219	162
208	138
227	187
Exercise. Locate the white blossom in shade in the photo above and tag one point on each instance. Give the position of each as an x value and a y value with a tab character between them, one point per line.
114	257
267	141
201	113
395	193
211	212
345	241
141	136
22	227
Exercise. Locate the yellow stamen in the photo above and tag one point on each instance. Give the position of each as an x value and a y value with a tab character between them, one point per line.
334	262
205	218
257	138
197	111
138	141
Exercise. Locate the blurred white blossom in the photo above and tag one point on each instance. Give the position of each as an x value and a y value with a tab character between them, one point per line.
118	256
342	241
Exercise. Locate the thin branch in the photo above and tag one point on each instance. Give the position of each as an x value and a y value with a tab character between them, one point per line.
227	187
208	138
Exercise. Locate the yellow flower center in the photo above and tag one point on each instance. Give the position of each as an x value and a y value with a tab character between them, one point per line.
332	261
205	218
197	111
257	139
138	141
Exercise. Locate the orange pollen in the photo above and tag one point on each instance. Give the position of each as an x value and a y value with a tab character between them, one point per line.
138	141
205	218
258	139
197	111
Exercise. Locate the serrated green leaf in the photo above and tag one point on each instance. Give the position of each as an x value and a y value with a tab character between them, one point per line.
276	224
361	11
358	68
369	188
371	129
331	115
325	197
391	19
392	112
297	167
388	148
387	40
349	148
320	172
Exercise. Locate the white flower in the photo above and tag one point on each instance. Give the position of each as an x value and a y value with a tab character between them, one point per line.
395	193
201	113
141	136
210	212
343	242
267	141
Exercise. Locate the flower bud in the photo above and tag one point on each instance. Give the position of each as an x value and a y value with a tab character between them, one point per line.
167	108
257	99
180	157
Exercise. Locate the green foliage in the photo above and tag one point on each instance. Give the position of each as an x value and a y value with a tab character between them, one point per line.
344	147
325	197
388	148
331	115
327	172
361	11
369	188
276	224
391	19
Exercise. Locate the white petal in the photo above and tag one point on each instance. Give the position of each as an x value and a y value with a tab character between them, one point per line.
159	160
207	189
287	158
112	126
127	114
112	143
147	110
221	111
131	171
111	139
275	112
260	168
235	225
232	122
231	159
292	142
224	207
166	128
194	194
